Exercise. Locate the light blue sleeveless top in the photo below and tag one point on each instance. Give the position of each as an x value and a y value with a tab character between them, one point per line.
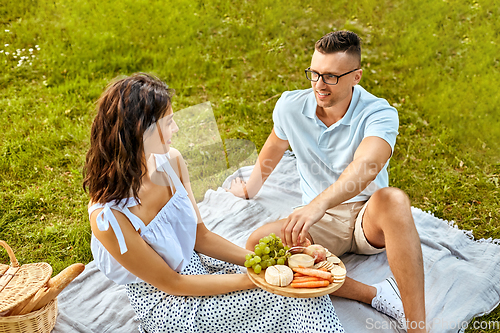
171	233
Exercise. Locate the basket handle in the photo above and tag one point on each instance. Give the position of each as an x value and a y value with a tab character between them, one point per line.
13	260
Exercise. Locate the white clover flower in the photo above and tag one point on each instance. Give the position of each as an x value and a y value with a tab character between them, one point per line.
15	57
1	51
7	30
24	50
33	56
7	53
6	45
31	50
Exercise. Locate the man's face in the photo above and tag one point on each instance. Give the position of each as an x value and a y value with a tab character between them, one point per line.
338	63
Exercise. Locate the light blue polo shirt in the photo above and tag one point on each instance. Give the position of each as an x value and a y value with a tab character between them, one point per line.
324	152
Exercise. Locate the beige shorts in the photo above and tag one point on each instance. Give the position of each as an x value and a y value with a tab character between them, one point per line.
340	230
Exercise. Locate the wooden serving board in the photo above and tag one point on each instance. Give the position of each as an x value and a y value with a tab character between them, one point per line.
259	280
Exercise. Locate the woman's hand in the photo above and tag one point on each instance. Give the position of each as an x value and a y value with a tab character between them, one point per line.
239	188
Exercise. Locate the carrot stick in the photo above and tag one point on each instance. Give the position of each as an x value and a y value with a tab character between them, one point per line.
326	270
310	284
310	278
298	274
307	278
314	272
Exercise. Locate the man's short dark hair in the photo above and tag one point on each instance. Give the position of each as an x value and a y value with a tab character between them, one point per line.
340	41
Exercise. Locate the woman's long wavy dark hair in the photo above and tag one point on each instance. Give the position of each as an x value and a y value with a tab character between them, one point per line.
115	162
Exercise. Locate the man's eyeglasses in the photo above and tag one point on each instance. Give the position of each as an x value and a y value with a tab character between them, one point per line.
330	79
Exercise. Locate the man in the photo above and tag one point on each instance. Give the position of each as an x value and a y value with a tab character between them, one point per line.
343	138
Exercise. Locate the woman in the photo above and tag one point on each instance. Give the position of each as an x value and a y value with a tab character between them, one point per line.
147	232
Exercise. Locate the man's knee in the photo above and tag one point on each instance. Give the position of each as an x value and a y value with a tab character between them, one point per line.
253	240
391	197
263	231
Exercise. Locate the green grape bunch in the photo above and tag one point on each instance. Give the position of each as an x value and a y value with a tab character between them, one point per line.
270	251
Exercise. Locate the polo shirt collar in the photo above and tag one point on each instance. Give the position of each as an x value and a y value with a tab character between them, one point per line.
347	118
310	104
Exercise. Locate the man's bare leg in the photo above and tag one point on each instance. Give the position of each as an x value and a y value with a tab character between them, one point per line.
388	222
266	229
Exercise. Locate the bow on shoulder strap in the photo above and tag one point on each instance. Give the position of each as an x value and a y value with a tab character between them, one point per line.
106	218
163	165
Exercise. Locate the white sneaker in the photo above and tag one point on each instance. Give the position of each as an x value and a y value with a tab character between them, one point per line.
388	301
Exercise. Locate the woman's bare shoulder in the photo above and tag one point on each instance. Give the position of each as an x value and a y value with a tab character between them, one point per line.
178	161
174	153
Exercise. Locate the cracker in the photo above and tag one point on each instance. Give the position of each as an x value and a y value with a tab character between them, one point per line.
320	264
333	259
328	265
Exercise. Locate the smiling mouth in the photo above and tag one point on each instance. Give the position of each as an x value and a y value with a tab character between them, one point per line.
323	94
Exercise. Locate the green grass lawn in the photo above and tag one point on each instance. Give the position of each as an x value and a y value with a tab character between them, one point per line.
436	61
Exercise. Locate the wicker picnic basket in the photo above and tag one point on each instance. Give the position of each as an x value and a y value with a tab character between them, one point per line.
18	284
40	321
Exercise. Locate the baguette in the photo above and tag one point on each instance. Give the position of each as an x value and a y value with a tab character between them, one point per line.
16	310
53	288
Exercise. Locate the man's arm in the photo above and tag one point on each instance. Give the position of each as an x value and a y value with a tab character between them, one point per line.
369	159
269	156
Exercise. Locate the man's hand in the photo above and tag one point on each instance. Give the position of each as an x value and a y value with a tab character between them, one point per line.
239	188
296	227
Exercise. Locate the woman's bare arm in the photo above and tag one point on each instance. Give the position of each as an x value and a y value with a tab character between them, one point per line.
142	261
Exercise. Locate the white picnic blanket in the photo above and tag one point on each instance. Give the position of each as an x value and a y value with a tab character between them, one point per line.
462	276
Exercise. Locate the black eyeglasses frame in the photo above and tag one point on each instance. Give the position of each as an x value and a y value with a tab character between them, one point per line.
308	70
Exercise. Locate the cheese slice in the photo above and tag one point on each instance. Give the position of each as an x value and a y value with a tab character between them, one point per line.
279	275
338	271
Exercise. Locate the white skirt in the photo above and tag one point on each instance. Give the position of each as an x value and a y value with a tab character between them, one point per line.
253	310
